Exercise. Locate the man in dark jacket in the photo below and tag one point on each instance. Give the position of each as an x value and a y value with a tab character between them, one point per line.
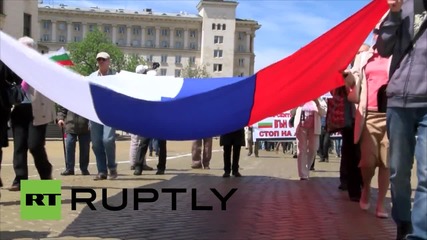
402	35
76	127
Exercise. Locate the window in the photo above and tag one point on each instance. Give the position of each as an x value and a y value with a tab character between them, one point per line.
163	72
178	33
241	48
164	58
193	45
135	31
46	37
165	32
241	62
241	35
223	26
213	26
77	39
193	33
218	39
192	60
91	27
217	67
165	44
150	31
107	29
177	59
135	43
61	26
218	53
177	72
46	24
27	24
218	26
178	45
149	58
122	29
149	43
77	27
61	38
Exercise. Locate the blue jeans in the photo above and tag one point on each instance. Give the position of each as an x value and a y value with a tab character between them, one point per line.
338	143
84	145
154	146
104	146
403	124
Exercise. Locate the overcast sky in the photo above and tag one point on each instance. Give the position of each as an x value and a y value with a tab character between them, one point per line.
286	25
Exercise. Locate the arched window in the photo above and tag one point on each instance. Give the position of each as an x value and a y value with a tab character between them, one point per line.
213	26
223	26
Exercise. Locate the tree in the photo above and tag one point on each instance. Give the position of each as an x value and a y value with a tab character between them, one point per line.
83	54
132	61
194	71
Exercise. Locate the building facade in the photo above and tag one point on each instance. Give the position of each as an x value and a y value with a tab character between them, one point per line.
214	38
19	18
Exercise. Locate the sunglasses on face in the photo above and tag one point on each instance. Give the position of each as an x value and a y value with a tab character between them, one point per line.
101	59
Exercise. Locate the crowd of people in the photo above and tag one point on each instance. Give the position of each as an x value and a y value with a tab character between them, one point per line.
385	114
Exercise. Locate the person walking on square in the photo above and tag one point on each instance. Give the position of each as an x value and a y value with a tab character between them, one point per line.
201	160
29	122
308	129
232	143
403	36
104	137
76	127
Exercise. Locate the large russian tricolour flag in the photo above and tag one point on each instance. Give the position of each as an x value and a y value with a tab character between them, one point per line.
172	108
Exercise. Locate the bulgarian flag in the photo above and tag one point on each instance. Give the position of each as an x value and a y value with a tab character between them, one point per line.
62	57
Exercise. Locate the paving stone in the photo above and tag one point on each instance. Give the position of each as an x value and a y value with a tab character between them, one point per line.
270	203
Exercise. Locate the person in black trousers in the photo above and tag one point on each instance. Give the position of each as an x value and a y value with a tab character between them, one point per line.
142	152
232	143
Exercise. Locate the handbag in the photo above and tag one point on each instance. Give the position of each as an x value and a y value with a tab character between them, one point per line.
335	116
15	93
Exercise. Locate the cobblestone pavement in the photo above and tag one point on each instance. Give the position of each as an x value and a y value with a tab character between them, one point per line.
270	202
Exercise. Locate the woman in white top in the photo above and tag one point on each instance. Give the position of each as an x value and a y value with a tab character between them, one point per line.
308	128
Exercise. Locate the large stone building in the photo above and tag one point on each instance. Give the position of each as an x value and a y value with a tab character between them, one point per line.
19	18
214	37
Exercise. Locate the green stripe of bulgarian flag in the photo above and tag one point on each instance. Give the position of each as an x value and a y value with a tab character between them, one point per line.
265	125
63	59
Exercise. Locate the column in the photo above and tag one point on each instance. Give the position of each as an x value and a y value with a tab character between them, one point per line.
128	37
157	37
142	36
53	39
172	37
186	38
84	30
114	34
199	39
248	42
69	31
41	30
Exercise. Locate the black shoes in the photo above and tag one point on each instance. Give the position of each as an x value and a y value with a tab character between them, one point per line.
160	172
67	172
403	230
100	176
85	172
235	174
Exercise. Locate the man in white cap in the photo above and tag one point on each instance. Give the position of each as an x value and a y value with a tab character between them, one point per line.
104	137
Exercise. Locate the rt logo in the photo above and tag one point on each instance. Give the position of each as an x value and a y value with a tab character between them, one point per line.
40	199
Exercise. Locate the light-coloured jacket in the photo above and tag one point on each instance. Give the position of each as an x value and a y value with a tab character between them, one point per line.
43	108
357	85
319	112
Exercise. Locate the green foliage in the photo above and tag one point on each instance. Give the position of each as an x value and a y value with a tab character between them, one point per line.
132	61
83	54
194	71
